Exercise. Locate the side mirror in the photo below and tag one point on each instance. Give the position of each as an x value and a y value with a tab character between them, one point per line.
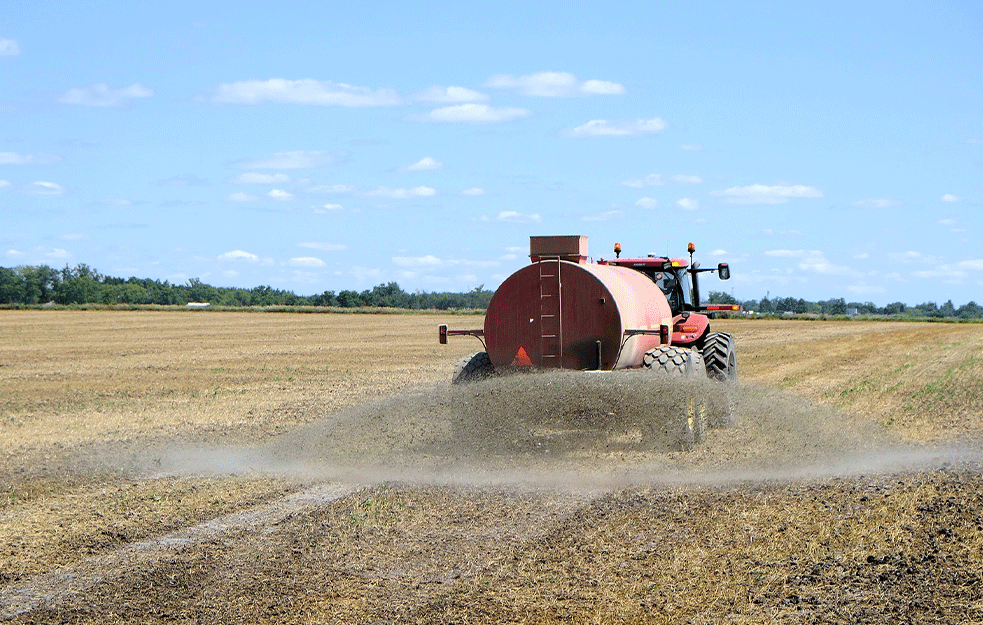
723	271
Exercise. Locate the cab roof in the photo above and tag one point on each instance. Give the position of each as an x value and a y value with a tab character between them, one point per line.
648	261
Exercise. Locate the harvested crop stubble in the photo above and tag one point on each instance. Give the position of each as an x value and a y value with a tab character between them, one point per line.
849	491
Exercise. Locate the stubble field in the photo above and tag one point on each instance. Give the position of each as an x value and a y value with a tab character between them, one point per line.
319	468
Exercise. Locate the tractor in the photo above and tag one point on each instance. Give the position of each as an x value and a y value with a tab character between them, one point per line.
561	311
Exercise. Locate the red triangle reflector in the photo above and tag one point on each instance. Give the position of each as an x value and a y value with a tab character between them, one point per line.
522	358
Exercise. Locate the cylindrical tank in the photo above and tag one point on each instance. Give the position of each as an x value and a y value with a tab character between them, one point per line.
552	313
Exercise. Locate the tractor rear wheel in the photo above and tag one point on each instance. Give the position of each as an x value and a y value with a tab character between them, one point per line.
721	363
473	368
688	426
674	360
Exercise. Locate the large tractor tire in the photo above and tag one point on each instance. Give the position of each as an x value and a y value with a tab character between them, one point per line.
720	358
688	426
674	360
473	368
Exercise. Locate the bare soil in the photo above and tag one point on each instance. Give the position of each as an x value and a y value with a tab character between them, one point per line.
318	468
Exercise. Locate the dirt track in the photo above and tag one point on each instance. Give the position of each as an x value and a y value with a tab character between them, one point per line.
211	490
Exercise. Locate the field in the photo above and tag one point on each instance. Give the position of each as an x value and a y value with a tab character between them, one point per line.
318	468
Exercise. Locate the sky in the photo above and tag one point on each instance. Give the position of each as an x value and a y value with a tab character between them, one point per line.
823	150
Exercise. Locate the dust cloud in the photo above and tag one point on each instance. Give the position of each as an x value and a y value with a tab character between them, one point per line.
564	429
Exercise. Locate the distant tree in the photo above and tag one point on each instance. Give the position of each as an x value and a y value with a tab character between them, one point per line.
349	299
327	298
11	287
39	283
929	309
720	297
894	308
834	306
947	309
198	291
972	310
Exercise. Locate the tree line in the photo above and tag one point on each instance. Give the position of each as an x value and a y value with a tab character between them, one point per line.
839	306
84	285
81	284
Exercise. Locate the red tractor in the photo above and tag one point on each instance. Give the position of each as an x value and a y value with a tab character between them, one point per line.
562	311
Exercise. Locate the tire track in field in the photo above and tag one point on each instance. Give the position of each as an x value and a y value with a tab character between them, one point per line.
53	588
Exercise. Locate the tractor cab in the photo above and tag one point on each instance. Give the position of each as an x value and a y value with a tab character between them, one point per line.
670	274
678	279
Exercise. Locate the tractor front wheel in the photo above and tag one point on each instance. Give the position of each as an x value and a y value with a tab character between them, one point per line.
720	356
721	362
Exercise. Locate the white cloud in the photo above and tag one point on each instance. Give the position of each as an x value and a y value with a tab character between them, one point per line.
13	158
239	255
686	179
332	188
58	253
814	261
297	159
252	177
448	95
515	217
604	128
948	197
239	196
304	91
473	191
765	194
417	261
914	258
719	253
14	253
427	163
473	114
691	147
280	195
9	47
605	216
656	180
42	187
647	202
402	194
306	261
554	85
877	203
864	289
975	265
323	247
327	207
819	264
948	221
602	87
4	184
651	180
101	95
788	253
687	204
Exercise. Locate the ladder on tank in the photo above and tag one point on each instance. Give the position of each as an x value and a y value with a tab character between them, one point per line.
550	320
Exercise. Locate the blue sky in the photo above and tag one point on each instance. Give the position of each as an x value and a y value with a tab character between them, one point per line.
823	150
